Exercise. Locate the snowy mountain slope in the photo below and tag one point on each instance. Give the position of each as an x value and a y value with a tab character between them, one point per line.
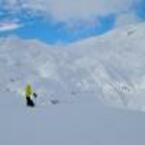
110	67
116	65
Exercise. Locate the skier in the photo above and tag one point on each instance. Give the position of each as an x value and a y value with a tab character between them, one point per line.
29	95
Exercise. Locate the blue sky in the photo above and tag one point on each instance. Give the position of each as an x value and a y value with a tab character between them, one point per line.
59	32
67	24
140	9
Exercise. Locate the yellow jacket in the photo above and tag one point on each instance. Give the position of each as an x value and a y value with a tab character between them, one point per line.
28	91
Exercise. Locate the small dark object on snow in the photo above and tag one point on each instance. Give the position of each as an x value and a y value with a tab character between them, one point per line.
35	95
54	102
12	80
29	102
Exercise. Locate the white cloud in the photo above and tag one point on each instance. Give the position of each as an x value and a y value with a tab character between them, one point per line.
66	10
9	26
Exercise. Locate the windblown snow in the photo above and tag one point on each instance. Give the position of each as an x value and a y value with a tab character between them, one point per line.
80	77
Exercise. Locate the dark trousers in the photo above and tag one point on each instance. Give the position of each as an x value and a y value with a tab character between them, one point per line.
29	102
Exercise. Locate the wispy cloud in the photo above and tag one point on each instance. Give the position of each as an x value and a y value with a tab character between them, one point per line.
9	26
66	10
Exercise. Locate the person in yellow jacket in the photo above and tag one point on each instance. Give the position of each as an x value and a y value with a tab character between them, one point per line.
29	95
